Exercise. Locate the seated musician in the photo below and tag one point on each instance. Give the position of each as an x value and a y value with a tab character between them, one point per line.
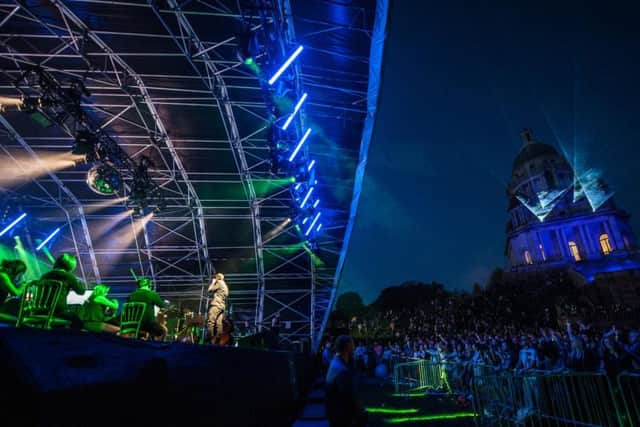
11	272
94	311
151	299
62	271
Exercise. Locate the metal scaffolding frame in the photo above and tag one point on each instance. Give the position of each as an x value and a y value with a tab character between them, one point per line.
165	82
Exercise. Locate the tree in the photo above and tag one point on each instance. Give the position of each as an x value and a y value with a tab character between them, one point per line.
496	279
477	289
350	304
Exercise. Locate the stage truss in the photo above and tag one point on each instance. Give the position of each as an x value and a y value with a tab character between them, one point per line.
165	82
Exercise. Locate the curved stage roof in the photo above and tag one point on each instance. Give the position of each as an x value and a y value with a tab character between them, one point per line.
165	81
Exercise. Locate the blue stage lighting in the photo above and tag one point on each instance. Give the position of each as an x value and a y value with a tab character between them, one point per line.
304	221
297	187
306	198
45	241
13	224
311	165
300	144
319	227
286	64
295	111
316	203
313	223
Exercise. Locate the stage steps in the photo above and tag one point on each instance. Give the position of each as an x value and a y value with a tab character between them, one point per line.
314	414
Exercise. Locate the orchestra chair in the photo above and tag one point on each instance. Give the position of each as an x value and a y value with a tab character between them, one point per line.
38	303
131	319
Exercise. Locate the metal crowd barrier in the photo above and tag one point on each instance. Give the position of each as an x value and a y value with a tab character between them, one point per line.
444	377
536	399
629	389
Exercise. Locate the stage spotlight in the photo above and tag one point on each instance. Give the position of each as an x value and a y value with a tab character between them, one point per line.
29	105
48	239
300	144
85	145
13	224
302	175
104	179
247	47
6	101
295	111
286	64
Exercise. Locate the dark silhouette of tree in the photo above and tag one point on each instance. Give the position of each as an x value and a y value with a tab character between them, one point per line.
496	279
350	304
409	294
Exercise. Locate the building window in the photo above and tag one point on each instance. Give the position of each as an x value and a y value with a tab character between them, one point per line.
527	257
605	244
575	252
544	256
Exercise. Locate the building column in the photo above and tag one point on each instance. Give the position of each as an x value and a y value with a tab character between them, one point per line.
615	235
595	246
564	244
585	242
612	237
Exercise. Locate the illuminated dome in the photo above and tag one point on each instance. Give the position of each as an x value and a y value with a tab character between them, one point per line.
556	217
533	151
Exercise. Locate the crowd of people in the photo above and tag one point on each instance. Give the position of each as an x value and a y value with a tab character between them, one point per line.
496	332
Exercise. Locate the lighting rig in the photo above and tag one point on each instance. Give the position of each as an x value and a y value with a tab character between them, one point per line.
49	102
274	63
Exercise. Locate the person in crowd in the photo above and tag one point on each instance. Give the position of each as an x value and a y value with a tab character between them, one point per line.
218	294
62	271
151	299
343	410
633	348
96	310
11	286
327	354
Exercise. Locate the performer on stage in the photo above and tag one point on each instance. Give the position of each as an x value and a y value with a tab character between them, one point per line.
62	272
150	298
94	311
11	272
218	292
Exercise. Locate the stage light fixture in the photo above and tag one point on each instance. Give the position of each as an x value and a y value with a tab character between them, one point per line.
315	219
48	239
286	64
13	224
306	198
295	111
311	165
85	145
104	179
300	144
247	47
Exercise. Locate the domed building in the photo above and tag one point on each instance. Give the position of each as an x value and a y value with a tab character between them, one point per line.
563	221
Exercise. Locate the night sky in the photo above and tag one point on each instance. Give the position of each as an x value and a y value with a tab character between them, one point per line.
459	83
